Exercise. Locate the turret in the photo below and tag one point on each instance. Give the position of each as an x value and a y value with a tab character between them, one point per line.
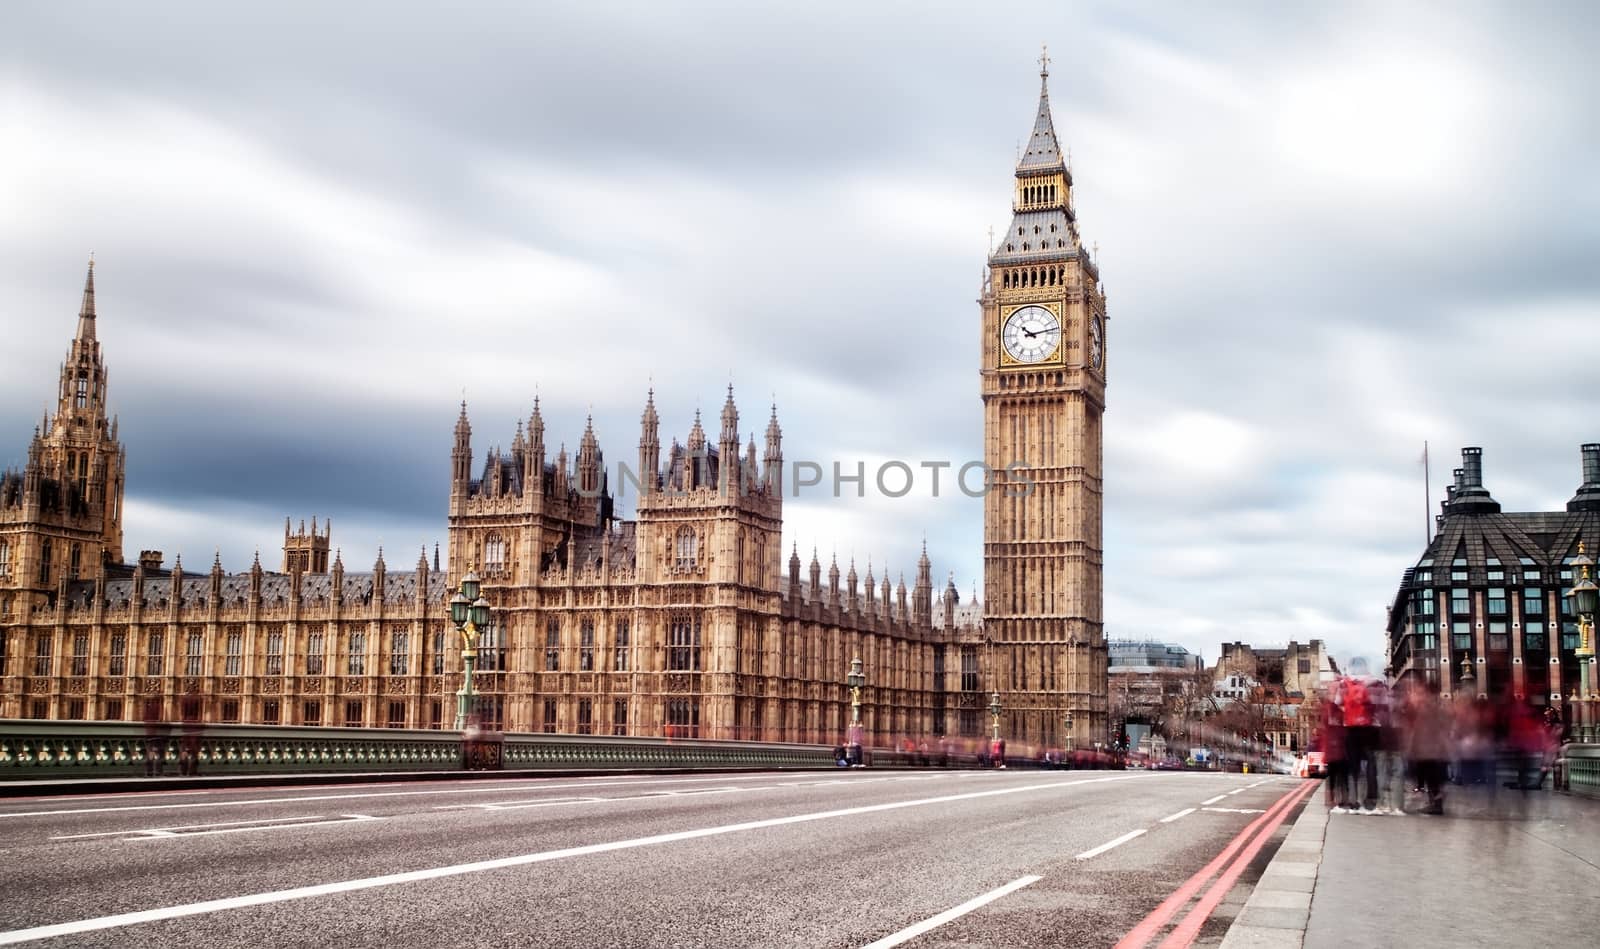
922	598
951	598
728	447
772	461
649	445
852	601
833	582
794	572
816	576
461	454
872	592
694	458
589	461
336	577
533	472
379	572
900	612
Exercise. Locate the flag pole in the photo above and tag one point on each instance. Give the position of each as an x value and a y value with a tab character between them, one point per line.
1427	498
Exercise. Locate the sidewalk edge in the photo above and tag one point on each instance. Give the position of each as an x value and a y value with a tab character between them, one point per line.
1284	878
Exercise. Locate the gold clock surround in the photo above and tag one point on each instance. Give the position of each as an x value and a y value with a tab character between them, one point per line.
1055	359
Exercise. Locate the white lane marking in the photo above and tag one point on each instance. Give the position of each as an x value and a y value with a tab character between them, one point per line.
181	827
501	788
484	788
1240	790
912	932
95	924
1183	813
1256	785
1235	810
341	819
1097	851
1212	800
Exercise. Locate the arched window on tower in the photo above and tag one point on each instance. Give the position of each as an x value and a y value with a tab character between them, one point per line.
82	400
44	562
5	559
738	557
494	556
686	554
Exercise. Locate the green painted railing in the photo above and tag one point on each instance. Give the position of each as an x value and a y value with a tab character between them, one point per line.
1583	769
38	750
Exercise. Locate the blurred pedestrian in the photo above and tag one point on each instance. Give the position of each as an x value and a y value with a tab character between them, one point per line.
1430	747
1358	700
1332	741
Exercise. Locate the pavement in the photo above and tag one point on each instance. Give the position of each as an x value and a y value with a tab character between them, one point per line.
841	859
1502	868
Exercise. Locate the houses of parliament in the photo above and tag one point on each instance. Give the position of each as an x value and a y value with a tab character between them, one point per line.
689	619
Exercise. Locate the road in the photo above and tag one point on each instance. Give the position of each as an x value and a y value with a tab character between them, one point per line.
857	858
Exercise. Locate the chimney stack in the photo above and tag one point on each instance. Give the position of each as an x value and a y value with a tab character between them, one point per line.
1588	496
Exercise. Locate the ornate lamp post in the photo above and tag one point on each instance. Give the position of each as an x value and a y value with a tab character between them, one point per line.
856	679
1586	601
470	612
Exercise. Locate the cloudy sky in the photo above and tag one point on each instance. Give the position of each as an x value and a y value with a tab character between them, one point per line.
1327	236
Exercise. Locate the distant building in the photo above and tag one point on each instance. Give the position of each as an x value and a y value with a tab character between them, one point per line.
1134	655
1486	603
1297	669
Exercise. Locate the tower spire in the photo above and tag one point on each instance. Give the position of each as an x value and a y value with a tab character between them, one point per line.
86	315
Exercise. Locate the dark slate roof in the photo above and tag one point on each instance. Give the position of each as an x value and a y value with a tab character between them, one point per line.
624	543
275	588
1022	243
1044	151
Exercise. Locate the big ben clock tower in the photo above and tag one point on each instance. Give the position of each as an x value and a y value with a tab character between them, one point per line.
1043	375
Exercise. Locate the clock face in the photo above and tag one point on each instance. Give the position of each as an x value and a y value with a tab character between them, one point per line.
1031	334
1094	342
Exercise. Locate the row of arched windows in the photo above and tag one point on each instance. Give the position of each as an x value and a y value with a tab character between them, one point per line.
1034	277
1038	194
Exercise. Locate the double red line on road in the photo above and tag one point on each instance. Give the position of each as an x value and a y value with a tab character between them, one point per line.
1226	867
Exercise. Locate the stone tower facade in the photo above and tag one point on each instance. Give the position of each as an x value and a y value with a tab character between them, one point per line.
61	516
306	551
1043	373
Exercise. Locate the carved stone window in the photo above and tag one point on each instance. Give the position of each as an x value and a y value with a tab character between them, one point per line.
686	549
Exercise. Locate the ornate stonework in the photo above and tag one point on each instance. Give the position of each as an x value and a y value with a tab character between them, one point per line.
1043	372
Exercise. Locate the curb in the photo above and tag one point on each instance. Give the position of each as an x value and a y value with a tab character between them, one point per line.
1279	908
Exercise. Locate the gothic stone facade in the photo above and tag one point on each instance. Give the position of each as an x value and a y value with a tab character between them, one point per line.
1043	376
681	621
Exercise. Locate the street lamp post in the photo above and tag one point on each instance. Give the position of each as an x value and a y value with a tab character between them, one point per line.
856	679
1586	601
470	612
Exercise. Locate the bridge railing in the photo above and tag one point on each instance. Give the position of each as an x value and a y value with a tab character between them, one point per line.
39	750
1583	769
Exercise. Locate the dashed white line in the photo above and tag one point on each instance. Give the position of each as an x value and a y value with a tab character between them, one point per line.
1097	851
1183	813
1212	800
912	932
1240	790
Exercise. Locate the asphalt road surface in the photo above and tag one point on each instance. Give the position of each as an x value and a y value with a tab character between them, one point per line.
820	859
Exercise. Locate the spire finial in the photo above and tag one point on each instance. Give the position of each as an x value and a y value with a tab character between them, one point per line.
1044	61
